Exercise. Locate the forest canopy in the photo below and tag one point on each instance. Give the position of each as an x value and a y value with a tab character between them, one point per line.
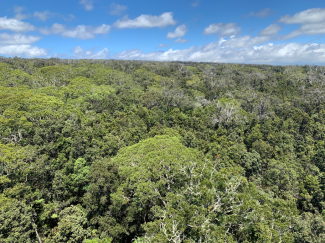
140	151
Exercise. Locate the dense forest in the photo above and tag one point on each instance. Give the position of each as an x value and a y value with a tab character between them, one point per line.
138	151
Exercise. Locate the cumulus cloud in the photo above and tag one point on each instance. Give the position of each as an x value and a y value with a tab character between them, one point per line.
87	4
180	31
179	40
289	53
79	52
243	41
17	39
86	32
222	29
80	32
15	25
102	29
43	15
309	16
55	29
18	13
306	29
117	9
261	14
146	21
311	21
22	50
272	29
18	44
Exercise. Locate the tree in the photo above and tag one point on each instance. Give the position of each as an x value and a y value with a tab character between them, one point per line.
148	171
16	221
71	226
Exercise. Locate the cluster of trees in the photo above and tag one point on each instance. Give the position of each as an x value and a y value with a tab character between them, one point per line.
133	151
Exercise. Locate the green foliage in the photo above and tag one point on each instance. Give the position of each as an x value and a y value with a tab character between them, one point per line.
133	151
106	240
71	225
148	171
15	221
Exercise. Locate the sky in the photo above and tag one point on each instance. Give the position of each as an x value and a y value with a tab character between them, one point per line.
277	32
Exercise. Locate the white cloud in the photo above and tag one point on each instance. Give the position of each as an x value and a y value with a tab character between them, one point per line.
267	53
146	21
22	50
221	40
307	29
179	40
15	25
71	17
195	4
55	29
243	41
17	39
309	16
88	4
80	32
272	29
163	45
261	14
102	29
223	30
18	13
18	9
43	15
311	20
79	52
180	31
117	9
18	44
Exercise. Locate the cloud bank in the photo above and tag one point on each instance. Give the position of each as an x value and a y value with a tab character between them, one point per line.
263	54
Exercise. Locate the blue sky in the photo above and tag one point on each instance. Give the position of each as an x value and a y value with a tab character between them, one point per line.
269	32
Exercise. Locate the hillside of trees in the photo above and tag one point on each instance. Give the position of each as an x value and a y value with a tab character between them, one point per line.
139	151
